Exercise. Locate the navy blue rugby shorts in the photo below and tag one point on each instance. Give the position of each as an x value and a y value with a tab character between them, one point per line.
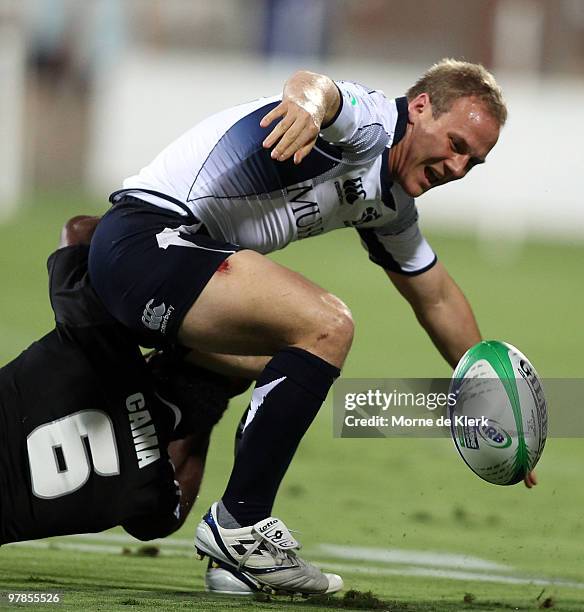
148	268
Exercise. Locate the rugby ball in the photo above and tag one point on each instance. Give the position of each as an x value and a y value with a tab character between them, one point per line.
498	413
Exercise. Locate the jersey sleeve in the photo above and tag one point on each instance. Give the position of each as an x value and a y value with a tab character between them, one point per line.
162	498
399	246
73	299
363	121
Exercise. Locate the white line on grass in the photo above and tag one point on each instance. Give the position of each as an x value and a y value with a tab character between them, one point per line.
51	545
94	548
410	557
124	538
447	574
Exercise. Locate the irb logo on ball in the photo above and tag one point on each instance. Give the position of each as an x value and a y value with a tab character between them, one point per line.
495	380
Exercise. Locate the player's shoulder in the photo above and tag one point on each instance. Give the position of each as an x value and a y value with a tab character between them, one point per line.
359	86
354	92
366	117
73	299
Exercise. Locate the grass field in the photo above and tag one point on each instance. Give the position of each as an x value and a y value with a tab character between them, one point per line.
404	519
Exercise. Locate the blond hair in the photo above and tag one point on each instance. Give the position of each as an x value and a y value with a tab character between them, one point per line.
450	79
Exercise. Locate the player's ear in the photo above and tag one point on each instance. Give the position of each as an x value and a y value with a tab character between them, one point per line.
417	106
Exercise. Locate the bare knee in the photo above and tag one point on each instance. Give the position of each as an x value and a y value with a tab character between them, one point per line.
331	331
78	230
288	310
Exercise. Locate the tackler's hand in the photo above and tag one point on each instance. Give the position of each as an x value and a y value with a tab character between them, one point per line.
296	131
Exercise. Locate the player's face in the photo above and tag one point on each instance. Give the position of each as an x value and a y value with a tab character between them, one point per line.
444	149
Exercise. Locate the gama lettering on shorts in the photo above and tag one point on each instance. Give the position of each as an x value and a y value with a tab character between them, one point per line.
143	430
156	317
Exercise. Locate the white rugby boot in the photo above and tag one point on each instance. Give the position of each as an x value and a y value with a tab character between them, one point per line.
225	580
264	554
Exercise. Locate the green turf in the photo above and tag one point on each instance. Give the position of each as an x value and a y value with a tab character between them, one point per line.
172	583
412	495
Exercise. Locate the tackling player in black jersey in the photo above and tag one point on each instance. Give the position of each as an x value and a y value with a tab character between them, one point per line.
92	435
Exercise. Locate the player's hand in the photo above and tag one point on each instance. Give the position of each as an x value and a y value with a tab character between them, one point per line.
78	230
296	132
530	480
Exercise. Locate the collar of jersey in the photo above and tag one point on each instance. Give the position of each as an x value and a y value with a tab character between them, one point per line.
402	119
400	129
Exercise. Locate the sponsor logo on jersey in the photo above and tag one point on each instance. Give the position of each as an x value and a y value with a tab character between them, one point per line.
307	214
143	430
156	317
353	189
368	215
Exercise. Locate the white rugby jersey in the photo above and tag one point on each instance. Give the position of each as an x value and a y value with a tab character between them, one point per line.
220	172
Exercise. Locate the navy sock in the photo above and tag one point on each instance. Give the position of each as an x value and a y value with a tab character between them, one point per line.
287	397
239	431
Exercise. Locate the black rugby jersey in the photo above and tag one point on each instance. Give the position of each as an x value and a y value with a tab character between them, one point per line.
83	436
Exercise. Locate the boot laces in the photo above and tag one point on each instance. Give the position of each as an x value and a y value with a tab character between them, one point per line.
280	556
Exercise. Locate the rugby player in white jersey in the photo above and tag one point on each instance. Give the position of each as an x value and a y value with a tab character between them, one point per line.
180	258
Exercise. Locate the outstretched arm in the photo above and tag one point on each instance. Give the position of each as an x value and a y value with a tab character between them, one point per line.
445	314
441	309
309	101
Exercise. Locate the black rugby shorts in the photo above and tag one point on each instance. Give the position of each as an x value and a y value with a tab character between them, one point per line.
148	267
